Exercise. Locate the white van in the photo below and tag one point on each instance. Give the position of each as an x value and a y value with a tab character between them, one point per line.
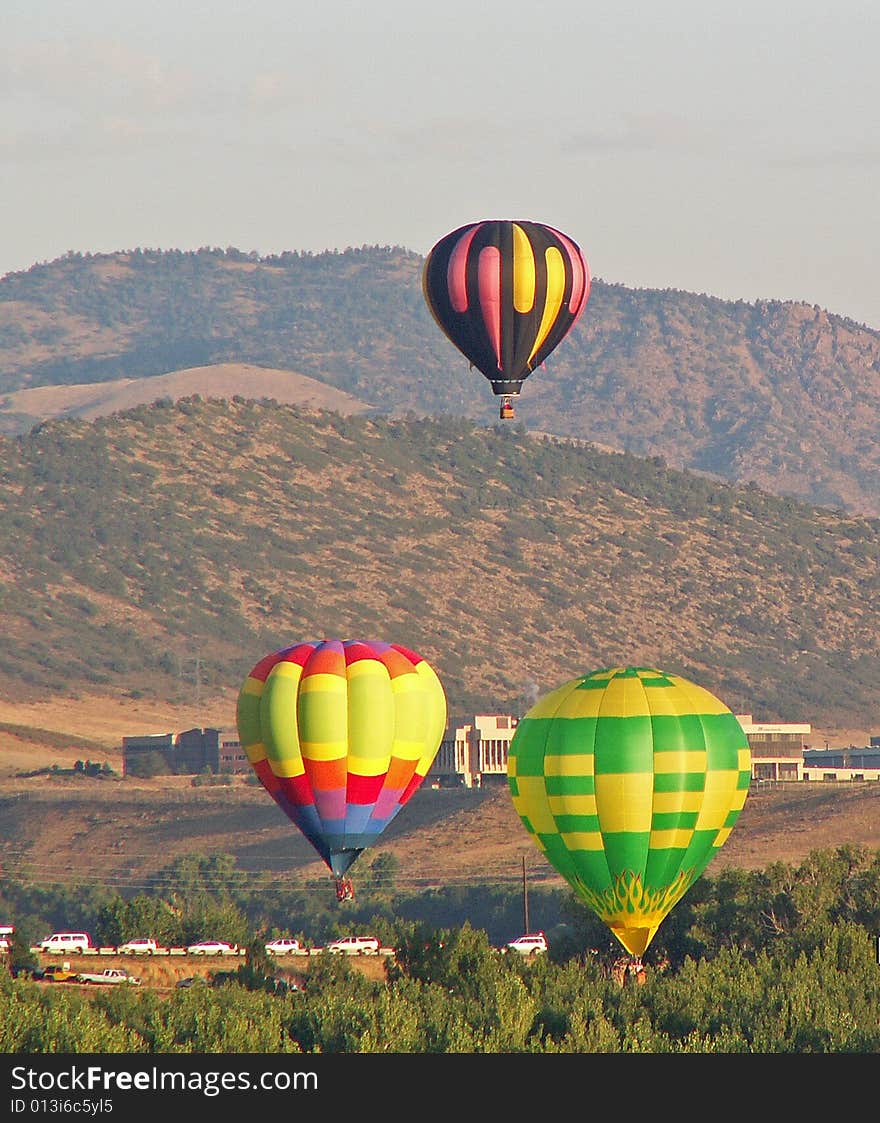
7	935
66	941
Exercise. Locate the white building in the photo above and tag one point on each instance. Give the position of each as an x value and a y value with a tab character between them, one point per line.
842	764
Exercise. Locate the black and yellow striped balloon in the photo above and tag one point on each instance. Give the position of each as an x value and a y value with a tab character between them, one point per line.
506	294
629	779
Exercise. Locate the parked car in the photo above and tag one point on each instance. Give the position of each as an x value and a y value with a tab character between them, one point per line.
56	973
211	947
534	943
138	947
192	981
283	946
110	976
355	945
66	942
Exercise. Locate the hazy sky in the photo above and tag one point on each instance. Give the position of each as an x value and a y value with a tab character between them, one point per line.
728	149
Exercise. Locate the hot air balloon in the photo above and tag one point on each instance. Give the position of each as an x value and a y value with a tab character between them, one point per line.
629	779
341	733
506	294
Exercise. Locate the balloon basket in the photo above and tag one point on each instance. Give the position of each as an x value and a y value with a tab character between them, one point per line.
629	969
344	889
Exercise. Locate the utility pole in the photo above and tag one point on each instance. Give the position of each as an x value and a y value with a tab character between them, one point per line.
526	928
196	662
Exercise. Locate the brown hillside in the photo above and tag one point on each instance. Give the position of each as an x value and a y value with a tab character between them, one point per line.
223	529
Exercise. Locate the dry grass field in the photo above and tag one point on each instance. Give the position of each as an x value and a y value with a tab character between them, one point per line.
163	972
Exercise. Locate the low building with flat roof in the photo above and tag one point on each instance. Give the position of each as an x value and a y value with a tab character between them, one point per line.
842	764
777	747
187	753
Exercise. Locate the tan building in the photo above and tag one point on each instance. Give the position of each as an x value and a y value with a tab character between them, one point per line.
777	748
473	751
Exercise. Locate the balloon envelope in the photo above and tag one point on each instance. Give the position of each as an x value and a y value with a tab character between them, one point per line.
341	733
629	779
506	294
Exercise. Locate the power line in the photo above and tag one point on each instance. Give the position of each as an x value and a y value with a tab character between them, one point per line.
269	881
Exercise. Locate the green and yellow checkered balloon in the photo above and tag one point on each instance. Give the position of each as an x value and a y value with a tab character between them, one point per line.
629	780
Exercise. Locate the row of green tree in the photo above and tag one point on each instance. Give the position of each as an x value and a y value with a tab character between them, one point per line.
452	993
782	960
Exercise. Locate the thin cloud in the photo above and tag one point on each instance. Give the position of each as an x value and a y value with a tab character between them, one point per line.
834	159
649	134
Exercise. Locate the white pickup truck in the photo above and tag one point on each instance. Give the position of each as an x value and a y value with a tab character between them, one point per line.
110	975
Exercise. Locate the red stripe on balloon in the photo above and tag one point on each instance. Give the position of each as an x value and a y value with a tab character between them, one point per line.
266	776
358	650
297	789
456	270
413	786
580	286
489	288
299	653
364	790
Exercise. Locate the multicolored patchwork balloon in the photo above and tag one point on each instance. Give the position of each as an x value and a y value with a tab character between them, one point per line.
341	733
629	780
506	294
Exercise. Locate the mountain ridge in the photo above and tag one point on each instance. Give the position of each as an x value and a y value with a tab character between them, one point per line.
780	394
